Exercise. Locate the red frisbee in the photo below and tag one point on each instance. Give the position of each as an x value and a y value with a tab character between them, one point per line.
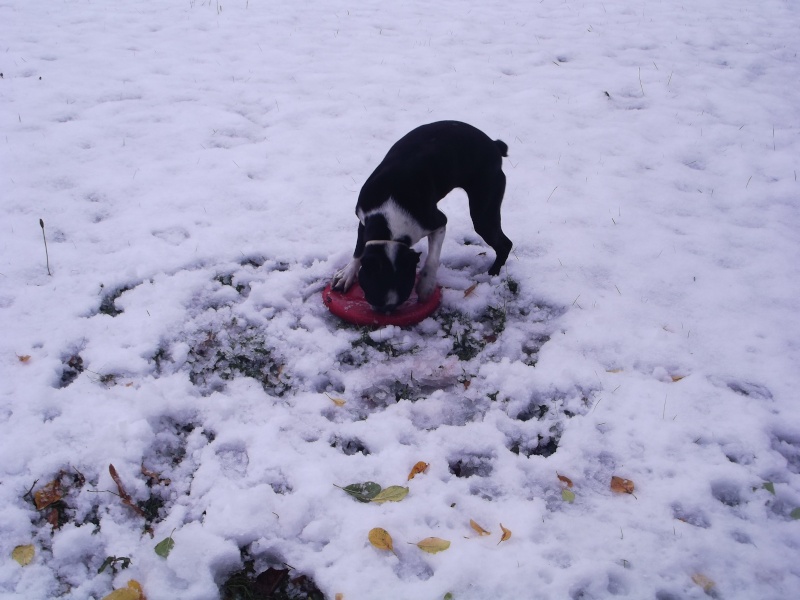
354	308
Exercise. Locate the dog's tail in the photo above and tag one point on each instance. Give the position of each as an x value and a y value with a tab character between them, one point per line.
501	145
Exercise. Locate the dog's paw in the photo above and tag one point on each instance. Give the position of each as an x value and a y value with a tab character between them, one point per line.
344	279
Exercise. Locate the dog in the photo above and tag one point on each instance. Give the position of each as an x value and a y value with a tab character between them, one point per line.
397	207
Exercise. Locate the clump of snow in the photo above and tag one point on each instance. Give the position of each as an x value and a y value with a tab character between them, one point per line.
196	165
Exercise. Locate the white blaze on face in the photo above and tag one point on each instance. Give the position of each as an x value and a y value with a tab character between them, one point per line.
391	298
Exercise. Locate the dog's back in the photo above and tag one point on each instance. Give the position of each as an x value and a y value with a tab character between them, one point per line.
429	162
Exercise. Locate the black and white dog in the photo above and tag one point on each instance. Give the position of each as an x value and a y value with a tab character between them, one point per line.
397	207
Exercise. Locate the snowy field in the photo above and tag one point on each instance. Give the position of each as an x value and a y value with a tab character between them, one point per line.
196	166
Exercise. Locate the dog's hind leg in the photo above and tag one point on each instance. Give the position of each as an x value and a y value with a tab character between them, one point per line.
485	199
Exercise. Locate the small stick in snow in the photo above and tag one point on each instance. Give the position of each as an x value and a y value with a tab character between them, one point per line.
46	254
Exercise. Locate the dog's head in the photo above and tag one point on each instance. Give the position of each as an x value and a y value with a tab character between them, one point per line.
387	275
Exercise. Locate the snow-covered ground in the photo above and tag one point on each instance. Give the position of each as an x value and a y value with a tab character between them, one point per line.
196	166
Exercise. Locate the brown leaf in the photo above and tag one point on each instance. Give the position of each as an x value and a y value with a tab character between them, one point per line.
24	358
676	378
53	517
467	383
267	582
506	534
621	486
49	494
154	478
564	479
126	499
478	528
418	468
470	289
338	596
381	539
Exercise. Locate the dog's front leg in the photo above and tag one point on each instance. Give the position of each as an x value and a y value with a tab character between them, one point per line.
345	278
427	276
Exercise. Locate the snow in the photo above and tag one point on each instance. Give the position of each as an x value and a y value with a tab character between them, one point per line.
196	166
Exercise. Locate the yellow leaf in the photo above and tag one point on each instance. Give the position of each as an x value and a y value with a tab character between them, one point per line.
478	528
23	554
506	534
337	401
394	493
381	539
132	592
432	545
704	582
621	486
418	468
132	583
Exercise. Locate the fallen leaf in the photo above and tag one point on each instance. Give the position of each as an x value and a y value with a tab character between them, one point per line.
676	378
506	534
137	586
337	401
381	539
418	468
338	596
567	495
126	499
564	479
621	486
53	517
125	593
132	592
155	478
614	370
48	495
704	582
24	358
23	554
111	561
448	596
363	492
393	493
164	547
268	581
470	289
432	545
467	383
478	528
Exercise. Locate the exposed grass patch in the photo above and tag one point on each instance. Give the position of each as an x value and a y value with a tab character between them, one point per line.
250	583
